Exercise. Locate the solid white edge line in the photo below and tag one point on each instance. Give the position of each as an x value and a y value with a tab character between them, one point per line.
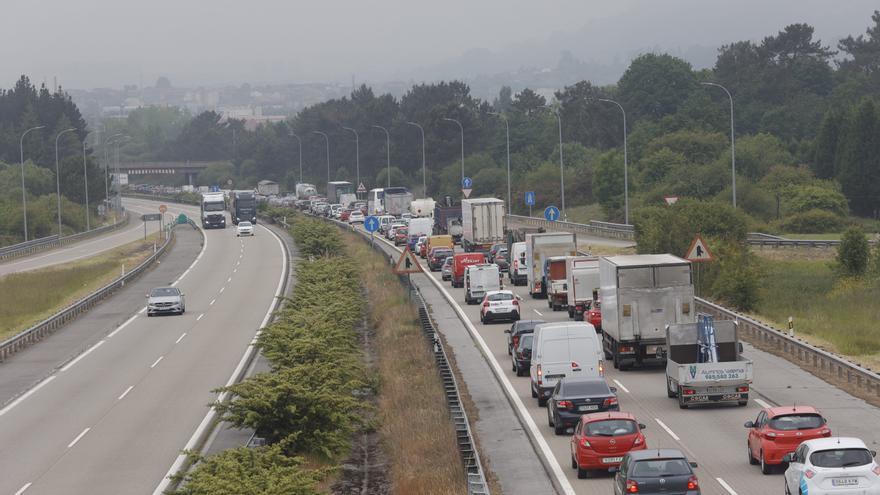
180	338
156	362
22	489
209	417
727	487
78	358
125	324
762	403
533	309
621	385
125	393
229	279
668	430
26	395
78	437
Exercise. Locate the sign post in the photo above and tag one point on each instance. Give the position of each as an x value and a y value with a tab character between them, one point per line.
150	217
530	200
467	185
371	225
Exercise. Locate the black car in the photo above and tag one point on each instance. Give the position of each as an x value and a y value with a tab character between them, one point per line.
500	259
656	472
490	256
522	354
518	328
574	397
438	256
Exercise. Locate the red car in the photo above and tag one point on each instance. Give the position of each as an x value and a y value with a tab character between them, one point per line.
780	430
601	440
594	315
343	215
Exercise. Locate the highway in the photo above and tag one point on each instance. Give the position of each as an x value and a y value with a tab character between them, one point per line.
712	436
114	420
90	247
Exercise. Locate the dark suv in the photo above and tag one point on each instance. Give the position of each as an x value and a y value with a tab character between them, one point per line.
656	471
438	256
517	329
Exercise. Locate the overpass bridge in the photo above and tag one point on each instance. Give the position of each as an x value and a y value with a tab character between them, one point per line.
187	168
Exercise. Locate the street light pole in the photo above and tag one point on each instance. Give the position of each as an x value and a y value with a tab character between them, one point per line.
507	129
561	169
625	164
86	183
23	190
58	177
357	155
387	150
460	128
732	142
300	155
424	173
327	141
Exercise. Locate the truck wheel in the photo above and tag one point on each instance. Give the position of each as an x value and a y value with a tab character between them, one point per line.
742	403
615	360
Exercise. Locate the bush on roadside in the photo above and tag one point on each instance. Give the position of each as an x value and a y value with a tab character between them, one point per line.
853	253
811	222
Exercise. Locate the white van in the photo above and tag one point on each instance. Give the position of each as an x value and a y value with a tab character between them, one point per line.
385	222
479	279
518	272
563	349
421	226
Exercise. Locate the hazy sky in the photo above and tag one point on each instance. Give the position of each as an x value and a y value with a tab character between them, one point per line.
108	43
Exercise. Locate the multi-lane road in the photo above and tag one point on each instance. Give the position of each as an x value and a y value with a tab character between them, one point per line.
114	420
713	436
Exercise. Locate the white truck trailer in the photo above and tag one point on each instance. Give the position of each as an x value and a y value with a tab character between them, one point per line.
539	247
305	191
397	200
482	223
640	295
582	274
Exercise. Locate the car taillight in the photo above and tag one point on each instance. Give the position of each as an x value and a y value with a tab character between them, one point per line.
632	486
876	469
485	304
771	434
639	440
601	368
515	302
688	391
625	348
825	432
564	404
539	373
693	484
743	389
809	473
611	401
585	443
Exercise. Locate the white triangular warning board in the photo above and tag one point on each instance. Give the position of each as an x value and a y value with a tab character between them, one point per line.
466	191
698	251
361	188
407	263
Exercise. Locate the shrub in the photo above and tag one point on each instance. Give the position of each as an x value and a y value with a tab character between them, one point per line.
738	277
853	253
812	222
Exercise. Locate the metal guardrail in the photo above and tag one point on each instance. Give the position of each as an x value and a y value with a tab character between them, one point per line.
858	380
780	242
36	245
48	326
602	229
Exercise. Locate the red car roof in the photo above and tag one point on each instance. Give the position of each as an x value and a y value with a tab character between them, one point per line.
785	410
589	418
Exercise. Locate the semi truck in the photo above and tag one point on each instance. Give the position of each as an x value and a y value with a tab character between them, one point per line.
340	192
305	191
640	295
213	210
244	207
540	247
582	282
397	201
482	223
422	207
704	363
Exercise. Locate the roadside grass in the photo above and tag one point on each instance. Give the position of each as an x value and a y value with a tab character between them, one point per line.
579	214
816	237
31	296
416	430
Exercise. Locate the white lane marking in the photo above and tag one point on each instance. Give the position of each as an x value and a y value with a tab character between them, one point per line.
142	310
725	486
763	404
77	359
222	289
22	489
160	358
212	302
536	311
234	270
125	324
229	279
193	264
200	316
26	395
126	392
209	417
668	430
621	385
78	437
180	338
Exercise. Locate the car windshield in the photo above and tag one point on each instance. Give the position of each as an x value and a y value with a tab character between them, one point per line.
611	428
442	253
525	342
164	292
500	297
218	206
588	387
656	468
793	422
839	458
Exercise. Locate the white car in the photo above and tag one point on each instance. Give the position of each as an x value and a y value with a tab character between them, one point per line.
832	466
499	305
244	228
356	217
389	234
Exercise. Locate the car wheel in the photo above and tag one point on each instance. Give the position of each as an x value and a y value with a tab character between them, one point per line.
574	464
542	402
516	317
583	473
752	460
534	394
549	418
520	372
513	367
765	468
669	392
559	429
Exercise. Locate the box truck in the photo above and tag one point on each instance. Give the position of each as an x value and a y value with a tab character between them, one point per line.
397	200
482	223
539	247
305	191
582	282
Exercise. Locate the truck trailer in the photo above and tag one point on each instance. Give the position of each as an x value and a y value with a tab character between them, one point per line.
397	201
305	191
244	207
540	247
582	282
482	223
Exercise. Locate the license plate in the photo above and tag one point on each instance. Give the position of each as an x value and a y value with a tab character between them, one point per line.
651	349
844	481
697	398
553	377
611	460
591	407
717	390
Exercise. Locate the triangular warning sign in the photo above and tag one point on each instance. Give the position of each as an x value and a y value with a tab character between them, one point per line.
466	191
361	188
698	251
407	263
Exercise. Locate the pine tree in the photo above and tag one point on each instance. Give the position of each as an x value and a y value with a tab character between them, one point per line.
826	145
858	162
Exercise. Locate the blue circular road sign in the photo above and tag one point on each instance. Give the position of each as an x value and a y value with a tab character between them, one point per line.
551	213
467	183
371	224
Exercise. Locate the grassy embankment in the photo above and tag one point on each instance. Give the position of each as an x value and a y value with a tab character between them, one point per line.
31	296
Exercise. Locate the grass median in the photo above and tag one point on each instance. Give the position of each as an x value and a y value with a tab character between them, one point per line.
32	296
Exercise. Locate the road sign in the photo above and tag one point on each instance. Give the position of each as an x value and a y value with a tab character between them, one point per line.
698	251
151	217
215	188
670	200
361	188
466	191
181	218
163	208
467	183
371	224
530	198
551	213
407	263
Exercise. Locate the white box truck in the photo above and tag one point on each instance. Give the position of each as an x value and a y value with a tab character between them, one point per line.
582	275
482	222
397	200
305	191
640	295
423	207
563	349
539	247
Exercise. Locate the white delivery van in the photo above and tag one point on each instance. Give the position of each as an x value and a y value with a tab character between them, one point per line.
479	279
563	349
421	226
518	272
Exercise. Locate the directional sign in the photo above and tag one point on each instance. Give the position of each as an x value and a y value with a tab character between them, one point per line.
698	251
670	200
361	188
551	213
467	183
215	188
163	208
530	198
466	191
151	217
407	263
371	224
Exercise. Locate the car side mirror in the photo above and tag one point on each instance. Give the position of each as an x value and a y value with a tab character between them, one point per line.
740	347
693	464
507	331
788	457
642	426
749	424
613	390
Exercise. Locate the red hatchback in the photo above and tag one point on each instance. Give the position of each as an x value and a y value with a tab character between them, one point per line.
601	440
594	316
780	430
343	215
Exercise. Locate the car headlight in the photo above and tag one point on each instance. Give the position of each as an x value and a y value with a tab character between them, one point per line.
237	219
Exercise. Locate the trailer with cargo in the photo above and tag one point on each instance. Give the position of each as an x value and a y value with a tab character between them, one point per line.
244	207
540	247
582	282
305	191
341	192
397	200
557	282
423	207
482	223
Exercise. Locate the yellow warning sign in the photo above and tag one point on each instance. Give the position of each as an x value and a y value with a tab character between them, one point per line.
407	263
